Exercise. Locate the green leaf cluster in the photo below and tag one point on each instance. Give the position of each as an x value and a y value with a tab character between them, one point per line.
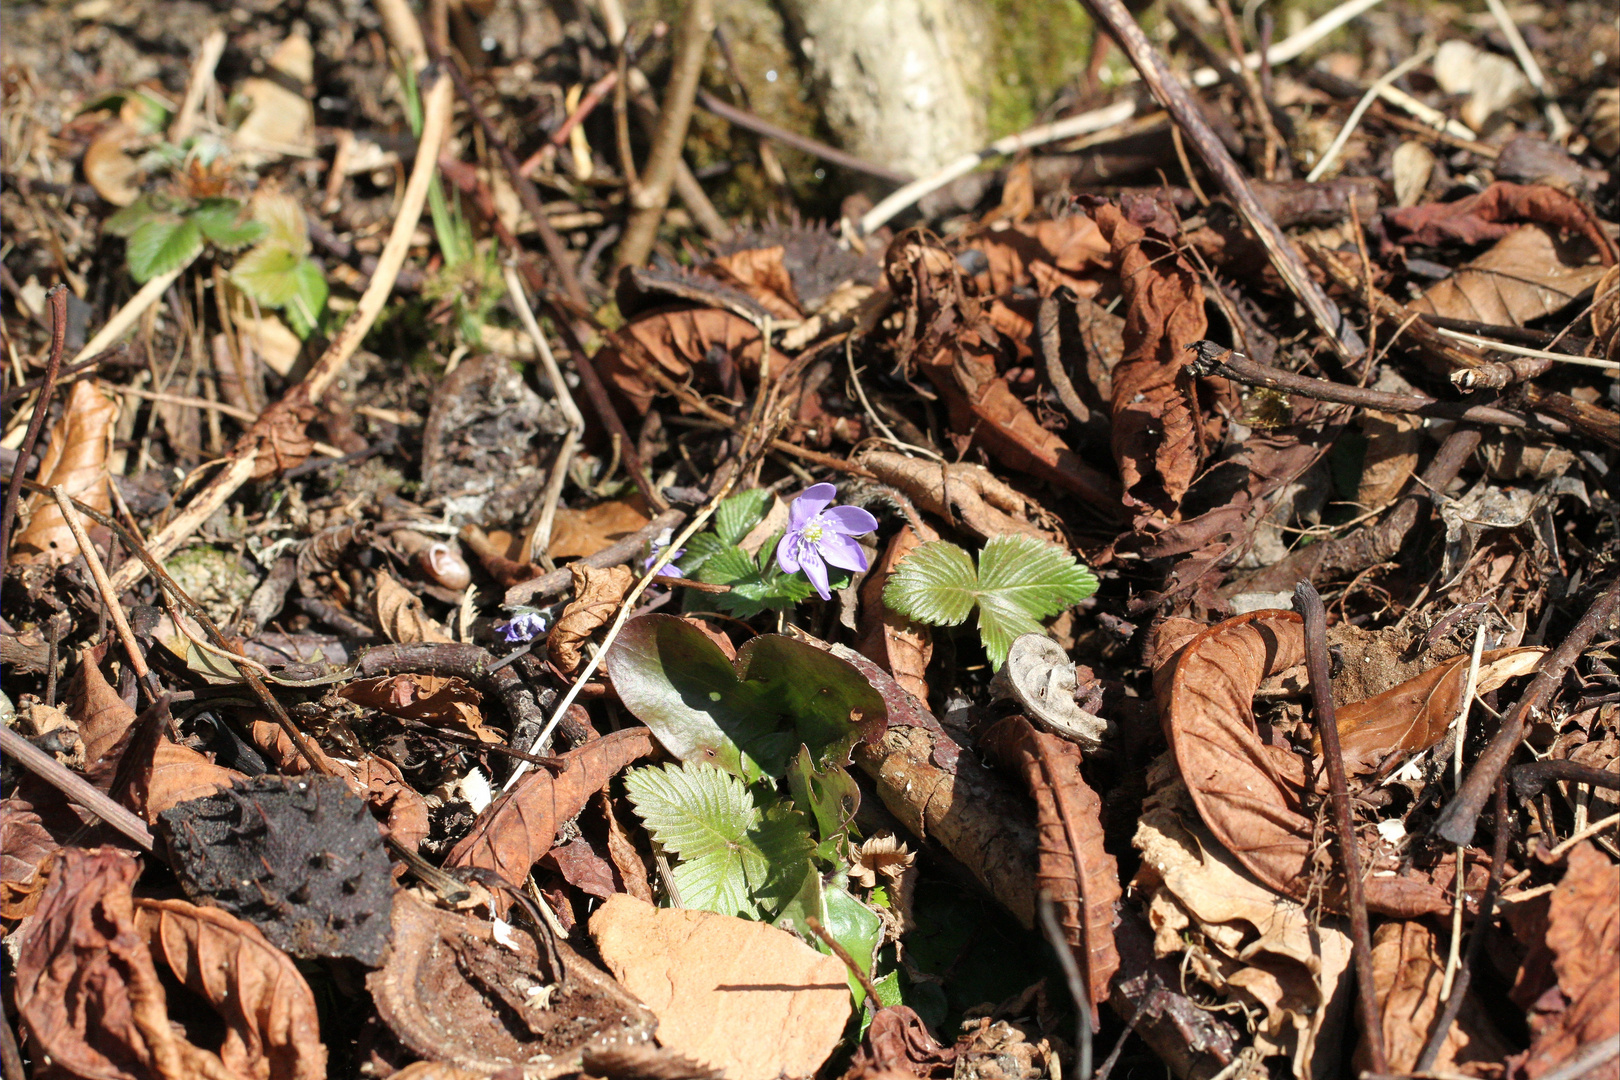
162	236
1019	581
278	272
757	583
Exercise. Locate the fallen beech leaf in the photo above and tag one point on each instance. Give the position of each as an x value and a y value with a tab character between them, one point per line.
753	1001
1157	439
1415	714
451	992
1477	219
1236	934
1249	792
679	343
103	718
108	166
278	437
1529	273
1583	935
760	273
447	702
400	615
175	775
626	859
86	987
895	643
81	440
25	845
516	830
1045	255
967	494
271	1029
281	120
597	595
1408	970
1081	878
580	866
1393	441
576	534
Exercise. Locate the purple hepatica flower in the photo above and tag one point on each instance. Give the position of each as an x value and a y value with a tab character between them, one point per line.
819	533
525	627
661	542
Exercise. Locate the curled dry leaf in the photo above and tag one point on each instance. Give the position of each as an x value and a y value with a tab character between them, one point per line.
1236	934
108	166
104	719
1081	878
679	343
446	702
400	615
1583	936
1249	792
1157	438
492	553
1490	215
961	493
1044	255
1529	273
761	274
86	987
451	992
895	643
517	829
1606	312
597	595
271	1028
1415	715
1409	970
279	438
176	774
897	1042
76	459
578	533
25	845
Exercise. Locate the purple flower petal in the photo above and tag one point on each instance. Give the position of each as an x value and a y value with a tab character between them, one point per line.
816	571
814	499
842	551
787	557
671	570
849	520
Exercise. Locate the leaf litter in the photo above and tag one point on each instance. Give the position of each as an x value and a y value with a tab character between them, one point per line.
732	785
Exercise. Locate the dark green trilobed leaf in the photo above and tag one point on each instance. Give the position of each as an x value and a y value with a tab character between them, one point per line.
303	311
676	681
224	225
268	273
737	515
699	550
161	245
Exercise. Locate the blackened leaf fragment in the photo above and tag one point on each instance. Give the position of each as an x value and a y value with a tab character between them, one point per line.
301	858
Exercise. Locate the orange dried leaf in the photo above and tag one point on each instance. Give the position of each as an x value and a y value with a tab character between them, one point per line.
77	460
1408	971
895	643
597	595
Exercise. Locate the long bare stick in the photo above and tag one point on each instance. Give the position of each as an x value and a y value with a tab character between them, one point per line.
540	540
197	87
132	310
36	423
75	787
244	458
1532	70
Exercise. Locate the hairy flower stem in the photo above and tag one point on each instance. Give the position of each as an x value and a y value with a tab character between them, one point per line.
1309	605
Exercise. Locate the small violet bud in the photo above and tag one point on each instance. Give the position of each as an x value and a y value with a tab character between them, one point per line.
662	541
526	626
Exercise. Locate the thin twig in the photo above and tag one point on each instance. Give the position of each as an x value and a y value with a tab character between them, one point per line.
1309	605
1459	733
649	199
1276	148
198	85
126	316
1072	975
1387	79
557	581
748	121
115	610
1532	70
540	539
1528	780
36	423
74	786
1179	103
1051	341
1456	822
1520	350
862	976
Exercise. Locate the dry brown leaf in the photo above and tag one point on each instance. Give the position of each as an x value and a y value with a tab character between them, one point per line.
493	550
1606	313
1249	792
400	615
753	1001
271	1029
516	830
679	342
895	643
597	595
280	120
576	534
444	701
580	866
961	493
761	273
1044	255
626	859
1408	970
1414	715
1489	215
1527	274
1081	877
1236	934
176	774
278	437
373	778
86	987
25	845
897	1046
1157	438
104	720
76	459
1583	935
108	166
437	1070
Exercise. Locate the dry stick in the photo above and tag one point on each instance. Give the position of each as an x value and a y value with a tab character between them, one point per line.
855	969
1081	995
36	423
64	377
197	87
243	462
748	121
1213	359
589	101
1309	605
133	309
1456	821
1050	337
658	173
74	786
1459	734
1528	780
1174	97
1532	70
557	582
98	571
1350	123
556	250
11	1063
1276	148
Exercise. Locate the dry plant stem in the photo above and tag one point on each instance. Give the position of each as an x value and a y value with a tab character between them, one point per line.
403	31
197	87
1276	149
1532	70
36	423
74	786
64	377
126	316
240	467
540	539
1520	350
1309	605
1459	734
1350	124
1239	368
556	250
1528	780
98	571
748	121
1079	993
1476	943
657	175
1174	97
1046	329
838	950
1456	822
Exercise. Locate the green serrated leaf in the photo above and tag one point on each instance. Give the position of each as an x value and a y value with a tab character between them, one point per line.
704	816
161	245
268	273
935	584
699	550
782	839
223	224
729	566
308	300
736	516
1042	579
132	217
